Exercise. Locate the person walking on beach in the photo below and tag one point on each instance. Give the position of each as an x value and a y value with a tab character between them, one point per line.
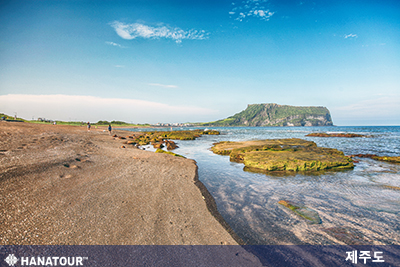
109	129
88	126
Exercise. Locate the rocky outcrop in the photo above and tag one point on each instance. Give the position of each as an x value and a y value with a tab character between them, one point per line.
283	155
170	144
380	158
348	135
277	115
157	138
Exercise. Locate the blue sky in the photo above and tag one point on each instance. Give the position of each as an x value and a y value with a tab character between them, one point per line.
181	61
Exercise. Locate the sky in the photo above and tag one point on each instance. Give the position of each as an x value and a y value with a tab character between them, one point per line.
145	61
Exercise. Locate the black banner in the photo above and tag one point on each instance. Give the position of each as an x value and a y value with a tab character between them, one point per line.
304	255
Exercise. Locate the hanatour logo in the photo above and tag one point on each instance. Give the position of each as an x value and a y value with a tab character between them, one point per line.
47	261
11	260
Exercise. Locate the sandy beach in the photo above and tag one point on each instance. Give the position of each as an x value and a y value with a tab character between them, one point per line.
65	185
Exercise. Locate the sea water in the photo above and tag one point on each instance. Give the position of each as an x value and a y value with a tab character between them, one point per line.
355	206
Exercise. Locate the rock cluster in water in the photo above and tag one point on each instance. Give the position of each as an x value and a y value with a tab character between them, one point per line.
380	158
283	155
159	139
348	135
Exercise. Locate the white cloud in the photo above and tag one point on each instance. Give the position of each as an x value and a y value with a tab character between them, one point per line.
383	110
92	108
382	105
138	30
115	44
251	8
163	85
351	36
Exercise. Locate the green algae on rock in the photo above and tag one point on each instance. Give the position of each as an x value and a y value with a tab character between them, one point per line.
347	135
309	214
283	155
387	159
145	138
379	158
168	152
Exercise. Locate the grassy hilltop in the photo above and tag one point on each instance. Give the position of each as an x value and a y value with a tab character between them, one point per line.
277	115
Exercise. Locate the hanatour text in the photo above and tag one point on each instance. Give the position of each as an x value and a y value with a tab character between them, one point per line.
52	261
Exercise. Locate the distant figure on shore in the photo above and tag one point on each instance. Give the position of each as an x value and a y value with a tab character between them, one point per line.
109	129
88	126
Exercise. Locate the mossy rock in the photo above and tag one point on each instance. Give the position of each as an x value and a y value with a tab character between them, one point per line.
347	135
168	152
390	187
380	158
171	145
387	159
283	155
158	145
146	138
306	213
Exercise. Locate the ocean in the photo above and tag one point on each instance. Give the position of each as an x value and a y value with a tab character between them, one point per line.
355	206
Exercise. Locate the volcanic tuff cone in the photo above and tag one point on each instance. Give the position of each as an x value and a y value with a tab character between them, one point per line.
277	115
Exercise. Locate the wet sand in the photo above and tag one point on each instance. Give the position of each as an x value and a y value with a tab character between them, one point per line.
64	185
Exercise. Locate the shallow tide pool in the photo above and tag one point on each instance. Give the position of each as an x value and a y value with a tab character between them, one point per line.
355	206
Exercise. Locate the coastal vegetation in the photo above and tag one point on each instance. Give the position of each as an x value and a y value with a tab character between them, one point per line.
283	155
72	123
276	115
10	118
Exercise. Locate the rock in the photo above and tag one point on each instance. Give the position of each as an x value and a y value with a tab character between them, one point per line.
348	135
131	142
283	155
122	146
390	187
115	135
168	152
388	159
121	137
158	145
170	144
310	215
380	158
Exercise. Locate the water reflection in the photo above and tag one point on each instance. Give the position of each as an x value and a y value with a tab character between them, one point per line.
359	206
